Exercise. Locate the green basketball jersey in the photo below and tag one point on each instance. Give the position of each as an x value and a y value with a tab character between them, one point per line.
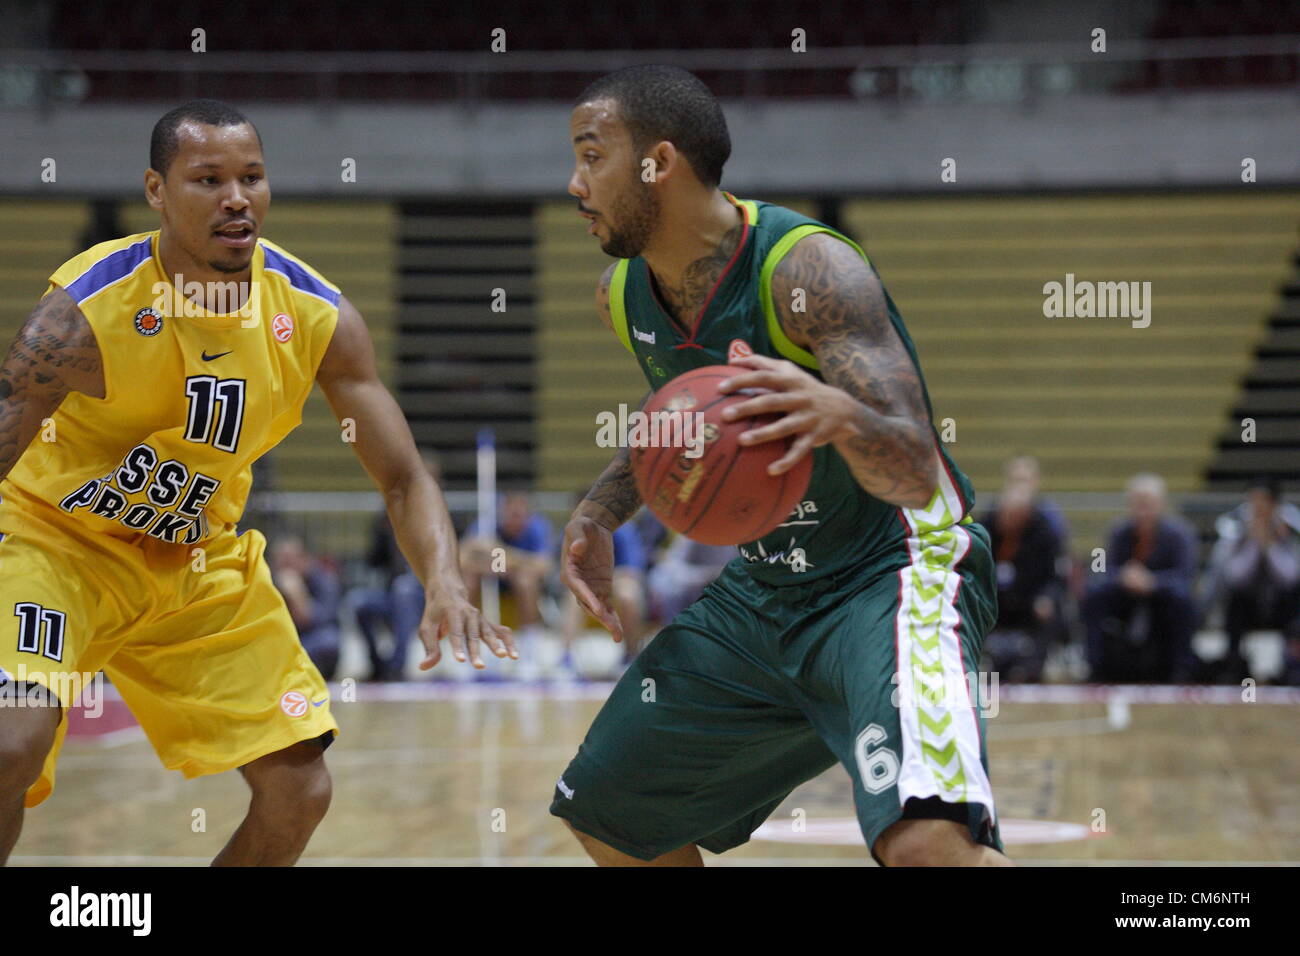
838	526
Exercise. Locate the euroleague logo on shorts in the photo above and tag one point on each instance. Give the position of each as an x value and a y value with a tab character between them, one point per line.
282	327
739	349
293	703
148	321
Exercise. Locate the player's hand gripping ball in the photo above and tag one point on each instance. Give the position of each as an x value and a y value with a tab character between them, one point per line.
694	474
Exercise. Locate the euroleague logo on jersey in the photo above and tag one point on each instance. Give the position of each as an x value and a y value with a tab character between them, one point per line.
148	321
293	703
739	349
282	327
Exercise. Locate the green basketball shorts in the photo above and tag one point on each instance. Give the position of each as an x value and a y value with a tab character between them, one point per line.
754	690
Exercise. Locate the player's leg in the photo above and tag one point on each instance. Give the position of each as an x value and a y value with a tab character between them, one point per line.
604	855
696	745
934	842
890	664
219	680
628	587
27	735
60	615
291	793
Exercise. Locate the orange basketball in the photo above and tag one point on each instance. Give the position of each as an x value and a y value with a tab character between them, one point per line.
723	494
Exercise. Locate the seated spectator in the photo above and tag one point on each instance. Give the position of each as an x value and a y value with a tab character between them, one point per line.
1023	471
627	591
526	558
311	589
1139	612
1026	548
397	604
681	574
1254	570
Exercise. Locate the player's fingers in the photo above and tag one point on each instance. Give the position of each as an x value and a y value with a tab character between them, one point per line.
755	361
801	446
456	638
489	636
754	379
763	405
508	639
774	375
582	591
612	624
433	649
578	546
473	638
782	427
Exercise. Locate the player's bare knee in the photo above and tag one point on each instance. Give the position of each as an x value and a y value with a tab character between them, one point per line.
923	843
598	851
317	793
305	796
26	736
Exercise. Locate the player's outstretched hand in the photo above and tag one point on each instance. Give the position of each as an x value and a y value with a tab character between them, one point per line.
812	413
587	569
455	618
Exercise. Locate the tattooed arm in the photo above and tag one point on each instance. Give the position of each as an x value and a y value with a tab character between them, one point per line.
53	354
871	406
587	556
613	498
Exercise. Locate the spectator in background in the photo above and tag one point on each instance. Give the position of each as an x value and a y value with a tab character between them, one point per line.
526	542
682	572
628	593
1026	548
311	589
1255	570
1022	471
397	604
1139	612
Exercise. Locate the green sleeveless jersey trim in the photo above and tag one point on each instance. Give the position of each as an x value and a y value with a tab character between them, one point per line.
838	527
782	341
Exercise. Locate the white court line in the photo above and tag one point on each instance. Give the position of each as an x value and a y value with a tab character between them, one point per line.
489	788
1012	693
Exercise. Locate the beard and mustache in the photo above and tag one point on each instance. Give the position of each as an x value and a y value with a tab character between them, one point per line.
637	214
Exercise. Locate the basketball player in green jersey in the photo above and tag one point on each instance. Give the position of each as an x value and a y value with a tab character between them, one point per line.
846	635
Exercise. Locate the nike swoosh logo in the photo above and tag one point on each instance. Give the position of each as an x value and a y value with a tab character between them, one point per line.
209	358
317	703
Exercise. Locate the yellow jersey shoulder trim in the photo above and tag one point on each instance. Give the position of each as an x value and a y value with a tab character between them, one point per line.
775	332
617	313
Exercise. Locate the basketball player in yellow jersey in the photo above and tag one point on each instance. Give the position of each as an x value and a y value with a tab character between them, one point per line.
132	405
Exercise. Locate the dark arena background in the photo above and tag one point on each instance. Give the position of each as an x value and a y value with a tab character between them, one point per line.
1086	213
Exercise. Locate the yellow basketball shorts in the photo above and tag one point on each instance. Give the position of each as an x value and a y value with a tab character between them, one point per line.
199	644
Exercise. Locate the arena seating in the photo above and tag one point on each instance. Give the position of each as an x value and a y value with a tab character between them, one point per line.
1095	399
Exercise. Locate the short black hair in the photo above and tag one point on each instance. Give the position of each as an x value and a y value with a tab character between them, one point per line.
666	102
163	145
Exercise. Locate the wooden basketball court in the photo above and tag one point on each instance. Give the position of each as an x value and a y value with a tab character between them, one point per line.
428	775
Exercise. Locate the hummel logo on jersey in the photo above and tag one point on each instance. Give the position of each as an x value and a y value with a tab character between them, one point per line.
647	337
209	358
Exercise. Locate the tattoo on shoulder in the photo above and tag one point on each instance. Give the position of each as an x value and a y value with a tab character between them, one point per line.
844	320
602	295
55	350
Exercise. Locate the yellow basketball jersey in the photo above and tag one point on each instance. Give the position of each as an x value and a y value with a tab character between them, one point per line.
192	397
